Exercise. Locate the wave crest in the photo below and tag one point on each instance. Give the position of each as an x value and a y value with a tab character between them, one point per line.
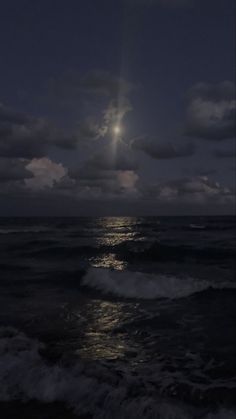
146	286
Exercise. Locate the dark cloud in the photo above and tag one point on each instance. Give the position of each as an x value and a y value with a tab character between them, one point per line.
25	136
211	111
225	153
102	184
108	173
119	183
158	150
115	156
213	92
13	169
88	130
8	115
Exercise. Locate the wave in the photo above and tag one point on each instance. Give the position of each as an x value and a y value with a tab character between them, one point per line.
24	230
60	251
155	250
146	286
97	389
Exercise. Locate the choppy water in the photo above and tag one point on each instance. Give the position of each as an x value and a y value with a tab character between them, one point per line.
119	317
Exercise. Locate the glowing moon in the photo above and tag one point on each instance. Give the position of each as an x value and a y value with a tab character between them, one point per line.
117	129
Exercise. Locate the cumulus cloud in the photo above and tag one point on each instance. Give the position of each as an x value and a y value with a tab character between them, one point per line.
25	136
158	150
128	179
211	111
45	173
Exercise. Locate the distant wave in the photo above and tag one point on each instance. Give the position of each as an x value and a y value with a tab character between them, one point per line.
146	286
96	389
24	230
197	226
60	251
127	250
157	250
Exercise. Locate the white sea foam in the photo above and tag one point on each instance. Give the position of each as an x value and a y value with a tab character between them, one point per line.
89	389
146	286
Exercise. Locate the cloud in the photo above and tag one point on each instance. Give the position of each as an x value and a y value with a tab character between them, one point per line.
128	179
199	171
90	92
198	190
100	184
211	111
25	136
113	115
8	115
161	150
108	173
116	156
88	130
12	170
225	153
45	173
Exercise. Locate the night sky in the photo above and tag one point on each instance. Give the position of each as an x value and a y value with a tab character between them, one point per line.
117	107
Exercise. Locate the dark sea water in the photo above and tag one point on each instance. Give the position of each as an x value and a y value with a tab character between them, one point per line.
118	318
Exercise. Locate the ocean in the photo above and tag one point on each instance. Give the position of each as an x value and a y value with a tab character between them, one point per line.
118	318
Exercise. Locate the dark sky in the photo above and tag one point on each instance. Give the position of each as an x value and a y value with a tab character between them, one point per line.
117	107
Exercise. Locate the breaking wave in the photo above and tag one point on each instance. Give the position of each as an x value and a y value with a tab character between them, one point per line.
89	389
146	286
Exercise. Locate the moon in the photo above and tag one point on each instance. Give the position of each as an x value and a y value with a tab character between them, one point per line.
117	129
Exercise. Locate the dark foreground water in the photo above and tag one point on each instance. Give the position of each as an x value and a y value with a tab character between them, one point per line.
117	318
